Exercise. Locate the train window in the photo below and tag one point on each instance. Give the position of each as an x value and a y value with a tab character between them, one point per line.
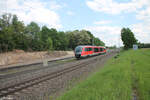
101	49
86	49
95	49
78	49
90	49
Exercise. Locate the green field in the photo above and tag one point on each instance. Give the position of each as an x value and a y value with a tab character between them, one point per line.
129	72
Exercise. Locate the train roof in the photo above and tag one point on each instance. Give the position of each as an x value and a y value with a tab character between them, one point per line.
89	46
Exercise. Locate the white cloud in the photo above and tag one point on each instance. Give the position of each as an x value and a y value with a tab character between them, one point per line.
144	14
142	32
34	10
108	34
54	6
2	6
111	35
142	29
113	7
102	22
70	13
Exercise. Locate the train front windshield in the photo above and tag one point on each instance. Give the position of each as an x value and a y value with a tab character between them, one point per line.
78	49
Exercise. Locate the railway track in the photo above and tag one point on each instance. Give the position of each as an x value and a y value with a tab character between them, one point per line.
37	80
32	64
31	82
16	70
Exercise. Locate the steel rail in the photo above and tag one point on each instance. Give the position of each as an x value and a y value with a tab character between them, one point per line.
22	85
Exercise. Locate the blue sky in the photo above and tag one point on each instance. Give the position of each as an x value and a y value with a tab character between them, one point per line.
104	18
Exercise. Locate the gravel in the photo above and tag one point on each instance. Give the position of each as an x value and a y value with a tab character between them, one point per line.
53	88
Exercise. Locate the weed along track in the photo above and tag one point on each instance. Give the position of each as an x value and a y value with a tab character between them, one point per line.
27	86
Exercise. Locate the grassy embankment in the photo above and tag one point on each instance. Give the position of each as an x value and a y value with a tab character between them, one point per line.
117	80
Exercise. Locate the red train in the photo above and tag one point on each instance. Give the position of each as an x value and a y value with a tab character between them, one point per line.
84	51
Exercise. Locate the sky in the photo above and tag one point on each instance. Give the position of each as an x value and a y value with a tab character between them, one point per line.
104	18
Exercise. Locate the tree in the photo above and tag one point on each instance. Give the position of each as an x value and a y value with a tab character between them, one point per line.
32	29
98	42
49	44
6	33
78	38
15	35
63	41
144	45
82	37
91	37
18	33
44	33
128	38
33	33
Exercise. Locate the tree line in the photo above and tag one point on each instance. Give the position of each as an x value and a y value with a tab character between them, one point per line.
14	34
129	39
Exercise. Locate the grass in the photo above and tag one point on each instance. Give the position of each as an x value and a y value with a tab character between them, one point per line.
117	80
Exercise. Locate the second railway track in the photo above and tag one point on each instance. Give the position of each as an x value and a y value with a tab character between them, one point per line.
25	84
11	89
